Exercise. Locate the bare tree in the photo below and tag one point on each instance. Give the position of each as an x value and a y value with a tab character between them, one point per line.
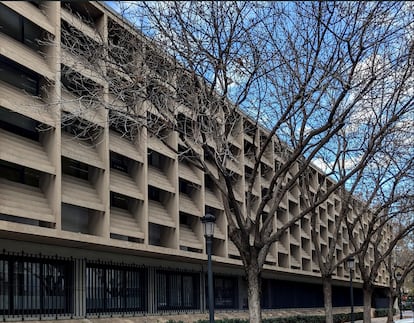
294	76
400	261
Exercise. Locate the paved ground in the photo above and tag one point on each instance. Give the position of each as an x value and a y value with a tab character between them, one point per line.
407	316
191	317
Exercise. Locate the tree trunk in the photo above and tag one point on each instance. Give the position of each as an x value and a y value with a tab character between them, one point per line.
367	303
327	298
254	292
391	301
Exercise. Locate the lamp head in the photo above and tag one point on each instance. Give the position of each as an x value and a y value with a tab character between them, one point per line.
209	221
351	263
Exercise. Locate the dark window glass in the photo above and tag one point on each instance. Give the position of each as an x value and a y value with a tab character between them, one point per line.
32	34
20	174
75	218
154	159
82	129
208	182
154	194
225	292
185	187
19	124
119	201
119	162
75	168
20	28
10	23
19	76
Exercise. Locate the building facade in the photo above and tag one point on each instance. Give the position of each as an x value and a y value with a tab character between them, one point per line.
112	226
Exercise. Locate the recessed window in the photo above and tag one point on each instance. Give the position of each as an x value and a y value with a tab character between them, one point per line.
19	124
81	129
119	201
19	76
20	28
154	194
79	85
119	162
18	173
154	159
126	127
75	218
75	168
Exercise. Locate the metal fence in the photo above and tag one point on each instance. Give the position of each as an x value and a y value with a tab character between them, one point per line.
114	288
39	287
35	285
177	291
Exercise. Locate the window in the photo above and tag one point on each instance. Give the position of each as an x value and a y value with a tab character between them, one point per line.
155	159
120	162
208	182
81	129
154	194
126	127
81	87
20	28
19	76
75	218
225	292
19	174
19	124
75	168
119	201
177	290
185	187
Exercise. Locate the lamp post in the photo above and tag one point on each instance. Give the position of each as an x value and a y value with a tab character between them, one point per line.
351	265
209	220
398	276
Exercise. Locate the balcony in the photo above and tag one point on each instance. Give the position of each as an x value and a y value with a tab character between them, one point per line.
188	238
157	145
157	178
25	152
80	25
74	105
188	173
25	56
212	200
16	100
124	147
123	223
24	201
82	151
158	214
79	192
121	183
218	233
187	205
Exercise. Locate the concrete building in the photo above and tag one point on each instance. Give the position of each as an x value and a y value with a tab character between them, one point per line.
113	227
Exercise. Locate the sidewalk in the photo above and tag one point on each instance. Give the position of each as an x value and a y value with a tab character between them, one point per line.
406	315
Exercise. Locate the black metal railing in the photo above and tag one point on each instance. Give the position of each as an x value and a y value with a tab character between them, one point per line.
51	287
177	291
115	288
35	285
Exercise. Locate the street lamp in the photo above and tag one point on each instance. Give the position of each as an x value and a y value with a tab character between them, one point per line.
209	220
398	276
351	265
